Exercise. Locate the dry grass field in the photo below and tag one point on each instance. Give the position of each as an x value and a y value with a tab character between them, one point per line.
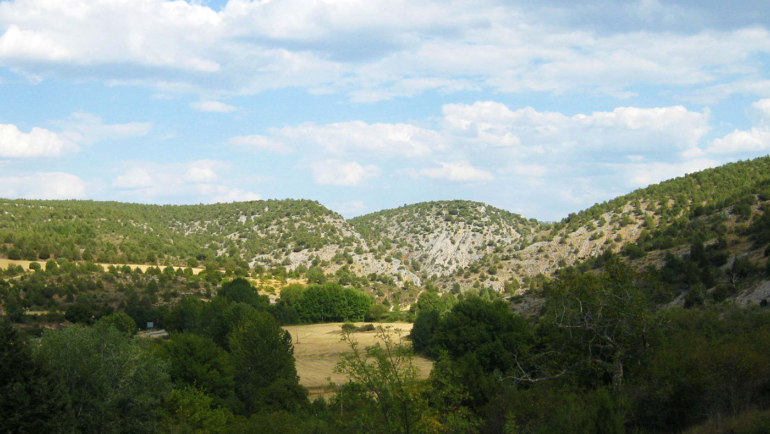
319	348
25	264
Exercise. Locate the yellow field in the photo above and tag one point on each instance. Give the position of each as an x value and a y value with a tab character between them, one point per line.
25	264
319	349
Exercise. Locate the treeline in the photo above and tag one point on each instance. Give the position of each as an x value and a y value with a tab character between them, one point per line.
604	357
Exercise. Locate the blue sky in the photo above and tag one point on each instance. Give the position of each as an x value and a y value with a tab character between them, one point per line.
539	107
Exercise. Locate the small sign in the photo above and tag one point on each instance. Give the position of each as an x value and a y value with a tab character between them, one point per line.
150	325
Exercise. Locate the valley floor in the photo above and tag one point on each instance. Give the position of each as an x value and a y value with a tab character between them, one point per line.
317	349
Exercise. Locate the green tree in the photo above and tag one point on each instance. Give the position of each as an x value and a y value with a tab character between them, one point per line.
263	357
197	361
114	382
240	291
32	398
423	329
190	411
120	321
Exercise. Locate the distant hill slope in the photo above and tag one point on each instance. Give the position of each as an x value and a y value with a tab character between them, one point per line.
437	238
449	242
135	233
719	202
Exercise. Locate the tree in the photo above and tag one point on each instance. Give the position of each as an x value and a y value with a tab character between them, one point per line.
423	329
197	361
240	291
384	393
598	323
383	379
32	398
189	410
114	382
80	312
263	357
120	321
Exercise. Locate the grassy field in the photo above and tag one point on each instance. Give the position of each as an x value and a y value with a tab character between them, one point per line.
320	347
25	264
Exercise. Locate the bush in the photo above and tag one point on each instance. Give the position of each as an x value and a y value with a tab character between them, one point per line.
14	254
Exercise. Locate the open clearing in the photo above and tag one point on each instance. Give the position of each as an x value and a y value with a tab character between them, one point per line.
320	347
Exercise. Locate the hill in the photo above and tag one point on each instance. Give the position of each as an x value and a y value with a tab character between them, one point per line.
437	238
455	245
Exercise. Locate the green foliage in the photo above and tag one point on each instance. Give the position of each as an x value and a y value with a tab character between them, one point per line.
385	395
189	410
423	329
198	361
263	358
133	233
241	291
114	383
32	397
330	303
120	321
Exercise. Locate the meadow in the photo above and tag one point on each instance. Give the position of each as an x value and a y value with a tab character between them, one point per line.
317	349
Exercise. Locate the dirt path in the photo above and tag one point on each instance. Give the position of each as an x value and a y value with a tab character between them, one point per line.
319	349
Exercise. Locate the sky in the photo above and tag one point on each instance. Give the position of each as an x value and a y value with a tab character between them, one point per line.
538	107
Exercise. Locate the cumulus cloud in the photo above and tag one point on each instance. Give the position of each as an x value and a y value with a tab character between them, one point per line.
43	185
341	173
382	140
761	111
200	180
213	107
755	140
623	130
372	50
457	171
37	143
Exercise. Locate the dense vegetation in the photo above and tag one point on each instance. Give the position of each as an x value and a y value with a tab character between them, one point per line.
112	232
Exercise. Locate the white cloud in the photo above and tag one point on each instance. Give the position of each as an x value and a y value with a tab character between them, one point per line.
262	143
755	140
43	185
671	130
236	195
457	171
37	143
761	111
336	172
213	107
196	181
371	50
383	140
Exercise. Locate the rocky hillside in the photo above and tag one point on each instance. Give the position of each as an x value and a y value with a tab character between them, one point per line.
438	238
450	243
